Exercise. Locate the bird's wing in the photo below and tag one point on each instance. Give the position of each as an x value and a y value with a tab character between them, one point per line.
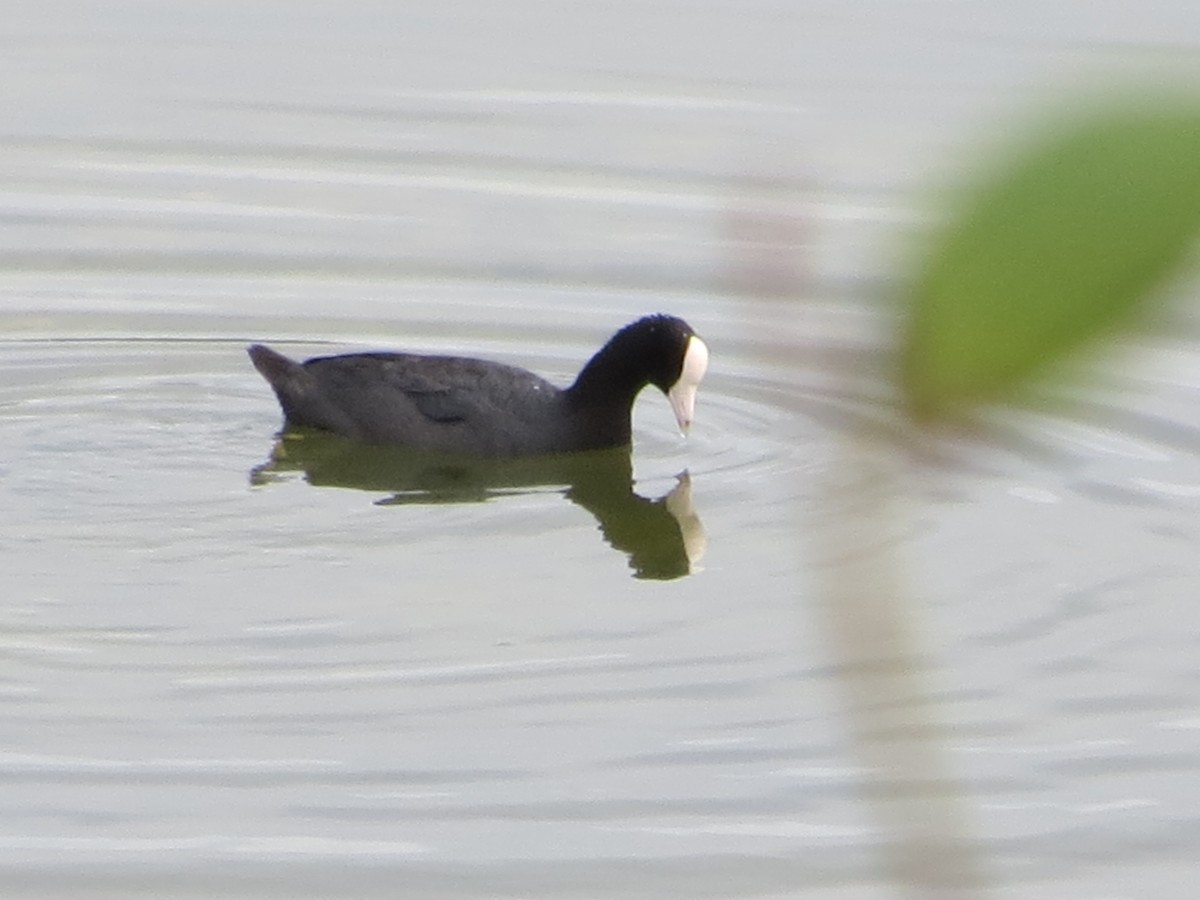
443	389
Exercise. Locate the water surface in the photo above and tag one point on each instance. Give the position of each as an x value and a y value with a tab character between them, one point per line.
227	671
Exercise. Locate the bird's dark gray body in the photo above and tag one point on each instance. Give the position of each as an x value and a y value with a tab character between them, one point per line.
443	404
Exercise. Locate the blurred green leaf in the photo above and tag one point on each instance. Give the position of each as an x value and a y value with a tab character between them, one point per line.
1058	245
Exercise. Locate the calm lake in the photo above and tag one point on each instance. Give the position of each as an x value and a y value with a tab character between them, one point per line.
801	652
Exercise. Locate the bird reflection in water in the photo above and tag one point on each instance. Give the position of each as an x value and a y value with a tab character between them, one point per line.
662	537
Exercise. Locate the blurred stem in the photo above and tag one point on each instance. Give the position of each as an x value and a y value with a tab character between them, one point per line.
870	612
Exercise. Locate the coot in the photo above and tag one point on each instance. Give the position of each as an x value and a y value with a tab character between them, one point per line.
451	404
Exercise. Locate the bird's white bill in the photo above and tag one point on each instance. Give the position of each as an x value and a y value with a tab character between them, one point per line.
682	395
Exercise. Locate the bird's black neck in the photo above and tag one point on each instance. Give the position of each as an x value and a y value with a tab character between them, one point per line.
615	375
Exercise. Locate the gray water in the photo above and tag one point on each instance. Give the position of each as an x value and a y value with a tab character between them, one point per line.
223	674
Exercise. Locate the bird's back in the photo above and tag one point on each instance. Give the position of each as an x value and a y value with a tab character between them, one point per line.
438	403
